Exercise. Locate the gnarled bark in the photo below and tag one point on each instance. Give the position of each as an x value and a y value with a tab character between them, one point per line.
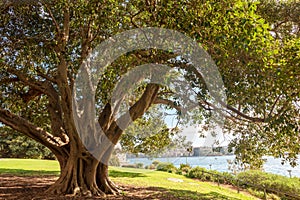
83	175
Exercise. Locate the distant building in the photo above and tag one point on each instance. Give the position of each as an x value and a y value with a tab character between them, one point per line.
210	151
196	151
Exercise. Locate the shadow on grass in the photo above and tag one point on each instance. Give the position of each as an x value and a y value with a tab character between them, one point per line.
22	187
116	174
22	172
162	193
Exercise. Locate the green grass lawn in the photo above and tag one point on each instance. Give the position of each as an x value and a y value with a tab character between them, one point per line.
29	167
188	189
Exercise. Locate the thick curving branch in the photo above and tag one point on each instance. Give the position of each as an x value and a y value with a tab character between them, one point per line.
22	125
135	111
167	102
41	86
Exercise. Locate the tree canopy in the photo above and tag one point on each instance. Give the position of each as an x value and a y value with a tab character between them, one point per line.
255	45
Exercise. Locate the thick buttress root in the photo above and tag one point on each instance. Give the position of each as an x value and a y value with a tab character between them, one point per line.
103	181
84	178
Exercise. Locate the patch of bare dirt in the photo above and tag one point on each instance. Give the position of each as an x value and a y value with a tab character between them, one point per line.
34	187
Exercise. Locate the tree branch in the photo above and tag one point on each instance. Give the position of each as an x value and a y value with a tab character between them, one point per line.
144	103
241	114
167	102
41	86
8	80
27	128
106	118
135	111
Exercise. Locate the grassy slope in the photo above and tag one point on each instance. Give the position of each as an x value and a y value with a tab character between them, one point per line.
188	189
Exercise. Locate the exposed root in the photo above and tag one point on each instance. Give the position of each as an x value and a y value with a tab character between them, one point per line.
75	185
103	181
76	192
83	176
113	186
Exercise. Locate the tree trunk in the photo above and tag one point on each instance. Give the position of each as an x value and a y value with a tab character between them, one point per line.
83	175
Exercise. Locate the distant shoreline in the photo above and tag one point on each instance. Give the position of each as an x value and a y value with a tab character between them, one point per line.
220	163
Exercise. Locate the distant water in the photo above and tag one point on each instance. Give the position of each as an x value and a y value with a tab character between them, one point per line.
219	163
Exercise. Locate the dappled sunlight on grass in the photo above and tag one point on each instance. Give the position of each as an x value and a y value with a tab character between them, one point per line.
153	184
162	181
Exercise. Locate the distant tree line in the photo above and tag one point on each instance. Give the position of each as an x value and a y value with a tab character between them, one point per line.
16	145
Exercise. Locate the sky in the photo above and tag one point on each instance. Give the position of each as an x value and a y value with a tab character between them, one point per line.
192	134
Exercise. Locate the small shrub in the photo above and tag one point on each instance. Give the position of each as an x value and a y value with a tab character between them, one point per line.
196	172
182	166
155	163
210	175
179	172
256	193
253	180
166	167
140	165
275	182
228	178
151	166
219	178
185	168
273	197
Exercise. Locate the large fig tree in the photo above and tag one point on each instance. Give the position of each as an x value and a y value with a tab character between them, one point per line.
44	44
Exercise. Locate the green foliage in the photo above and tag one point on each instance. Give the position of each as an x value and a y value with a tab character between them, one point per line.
151	166
166	167
182	166
155	162
179	172
196	172
16	145
140	165
150	135
255	181
185	168
228	178
255	44
211	175
199	173
269	181
278	76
